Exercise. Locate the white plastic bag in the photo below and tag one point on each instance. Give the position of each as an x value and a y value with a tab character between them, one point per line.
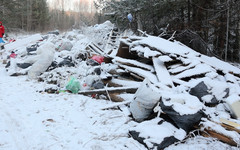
46	55
144	100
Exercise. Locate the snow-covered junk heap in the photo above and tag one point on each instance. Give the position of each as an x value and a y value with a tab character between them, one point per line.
171	90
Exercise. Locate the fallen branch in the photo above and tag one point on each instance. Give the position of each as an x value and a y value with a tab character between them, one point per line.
143	33
116	105
109	90
108	93
172	37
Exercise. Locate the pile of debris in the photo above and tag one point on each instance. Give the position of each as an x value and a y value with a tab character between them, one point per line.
171	90
191	91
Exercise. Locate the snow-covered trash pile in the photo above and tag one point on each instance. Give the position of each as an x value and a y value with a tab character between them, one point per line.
54	58
192	88
170	91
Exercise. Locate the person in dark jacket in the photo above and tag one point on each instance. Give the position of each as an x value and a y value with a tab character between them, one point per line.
2	31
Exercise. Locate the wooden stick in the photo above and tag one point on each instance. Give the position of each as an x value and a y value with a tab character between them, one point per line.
108	93
110	90
116	105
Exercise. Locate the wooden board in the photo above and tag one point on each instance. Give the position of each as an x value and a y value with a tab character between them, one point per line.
221	137
109	90
230	125
134	63
141	73
162	72
123	51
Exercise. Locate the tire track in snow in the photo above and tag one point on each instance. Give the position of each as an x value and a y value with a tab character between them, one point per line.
10	120
14	127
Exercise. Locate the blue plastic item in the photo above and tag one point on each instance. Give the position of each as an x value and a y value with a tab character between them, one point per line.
130	17
1	40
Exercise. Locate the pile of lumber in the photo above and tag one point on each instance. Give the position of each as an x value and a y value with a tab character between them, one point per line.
171	64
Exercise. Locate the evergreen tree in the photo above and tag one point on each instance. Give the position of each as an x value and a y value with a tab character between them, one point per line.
30	15
217	21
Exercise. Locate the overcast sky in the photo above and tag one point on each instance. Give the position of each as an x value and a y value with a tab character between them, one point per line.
74	5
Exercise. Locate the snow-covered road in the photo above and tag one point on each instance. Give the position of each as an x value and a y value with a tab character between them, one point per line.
30	120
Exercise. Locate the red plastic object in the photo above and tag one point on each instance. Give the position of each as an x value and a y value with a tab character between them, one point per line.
12	40
94	95
99	59
13	55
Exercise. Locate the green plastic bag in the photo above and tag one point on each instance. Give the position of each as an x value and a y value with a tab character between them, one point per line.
73	85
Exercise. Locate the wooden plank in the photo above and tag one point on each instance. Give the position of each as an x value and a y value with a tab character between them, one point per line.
95	48
115	97
194	72
109	90
141	73
230	125
162	72
134	63
111	84
221	137
137	76
123	51
230	128
121	82
116	105
106	50
218	130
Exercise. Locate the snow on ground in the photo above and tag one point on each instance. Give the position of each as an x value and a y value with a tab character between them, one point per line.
39	121
34	120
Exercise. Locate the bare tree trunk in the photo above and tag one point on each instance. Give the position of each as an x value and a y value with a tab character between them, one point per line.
139	22
22	20
226	49
29	15
189	14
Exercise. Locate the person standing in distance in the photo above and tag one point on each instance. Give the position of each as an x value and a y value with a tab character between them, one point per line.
2	31
130	17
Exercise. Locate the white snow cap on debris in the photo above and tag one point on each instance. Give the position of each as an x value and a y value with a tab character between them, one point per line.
46	55
168	47
155	133
232	99
106	24
19	43
163	45
182	103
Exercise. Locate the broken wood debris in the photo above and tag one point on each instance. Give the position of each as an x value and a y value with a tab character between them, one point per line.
173	66
95	48
109	90
219	136
167	65
224	132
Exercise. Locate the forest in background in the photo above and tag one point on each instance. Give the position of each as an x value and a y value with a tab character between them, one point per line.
36	15
210	27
